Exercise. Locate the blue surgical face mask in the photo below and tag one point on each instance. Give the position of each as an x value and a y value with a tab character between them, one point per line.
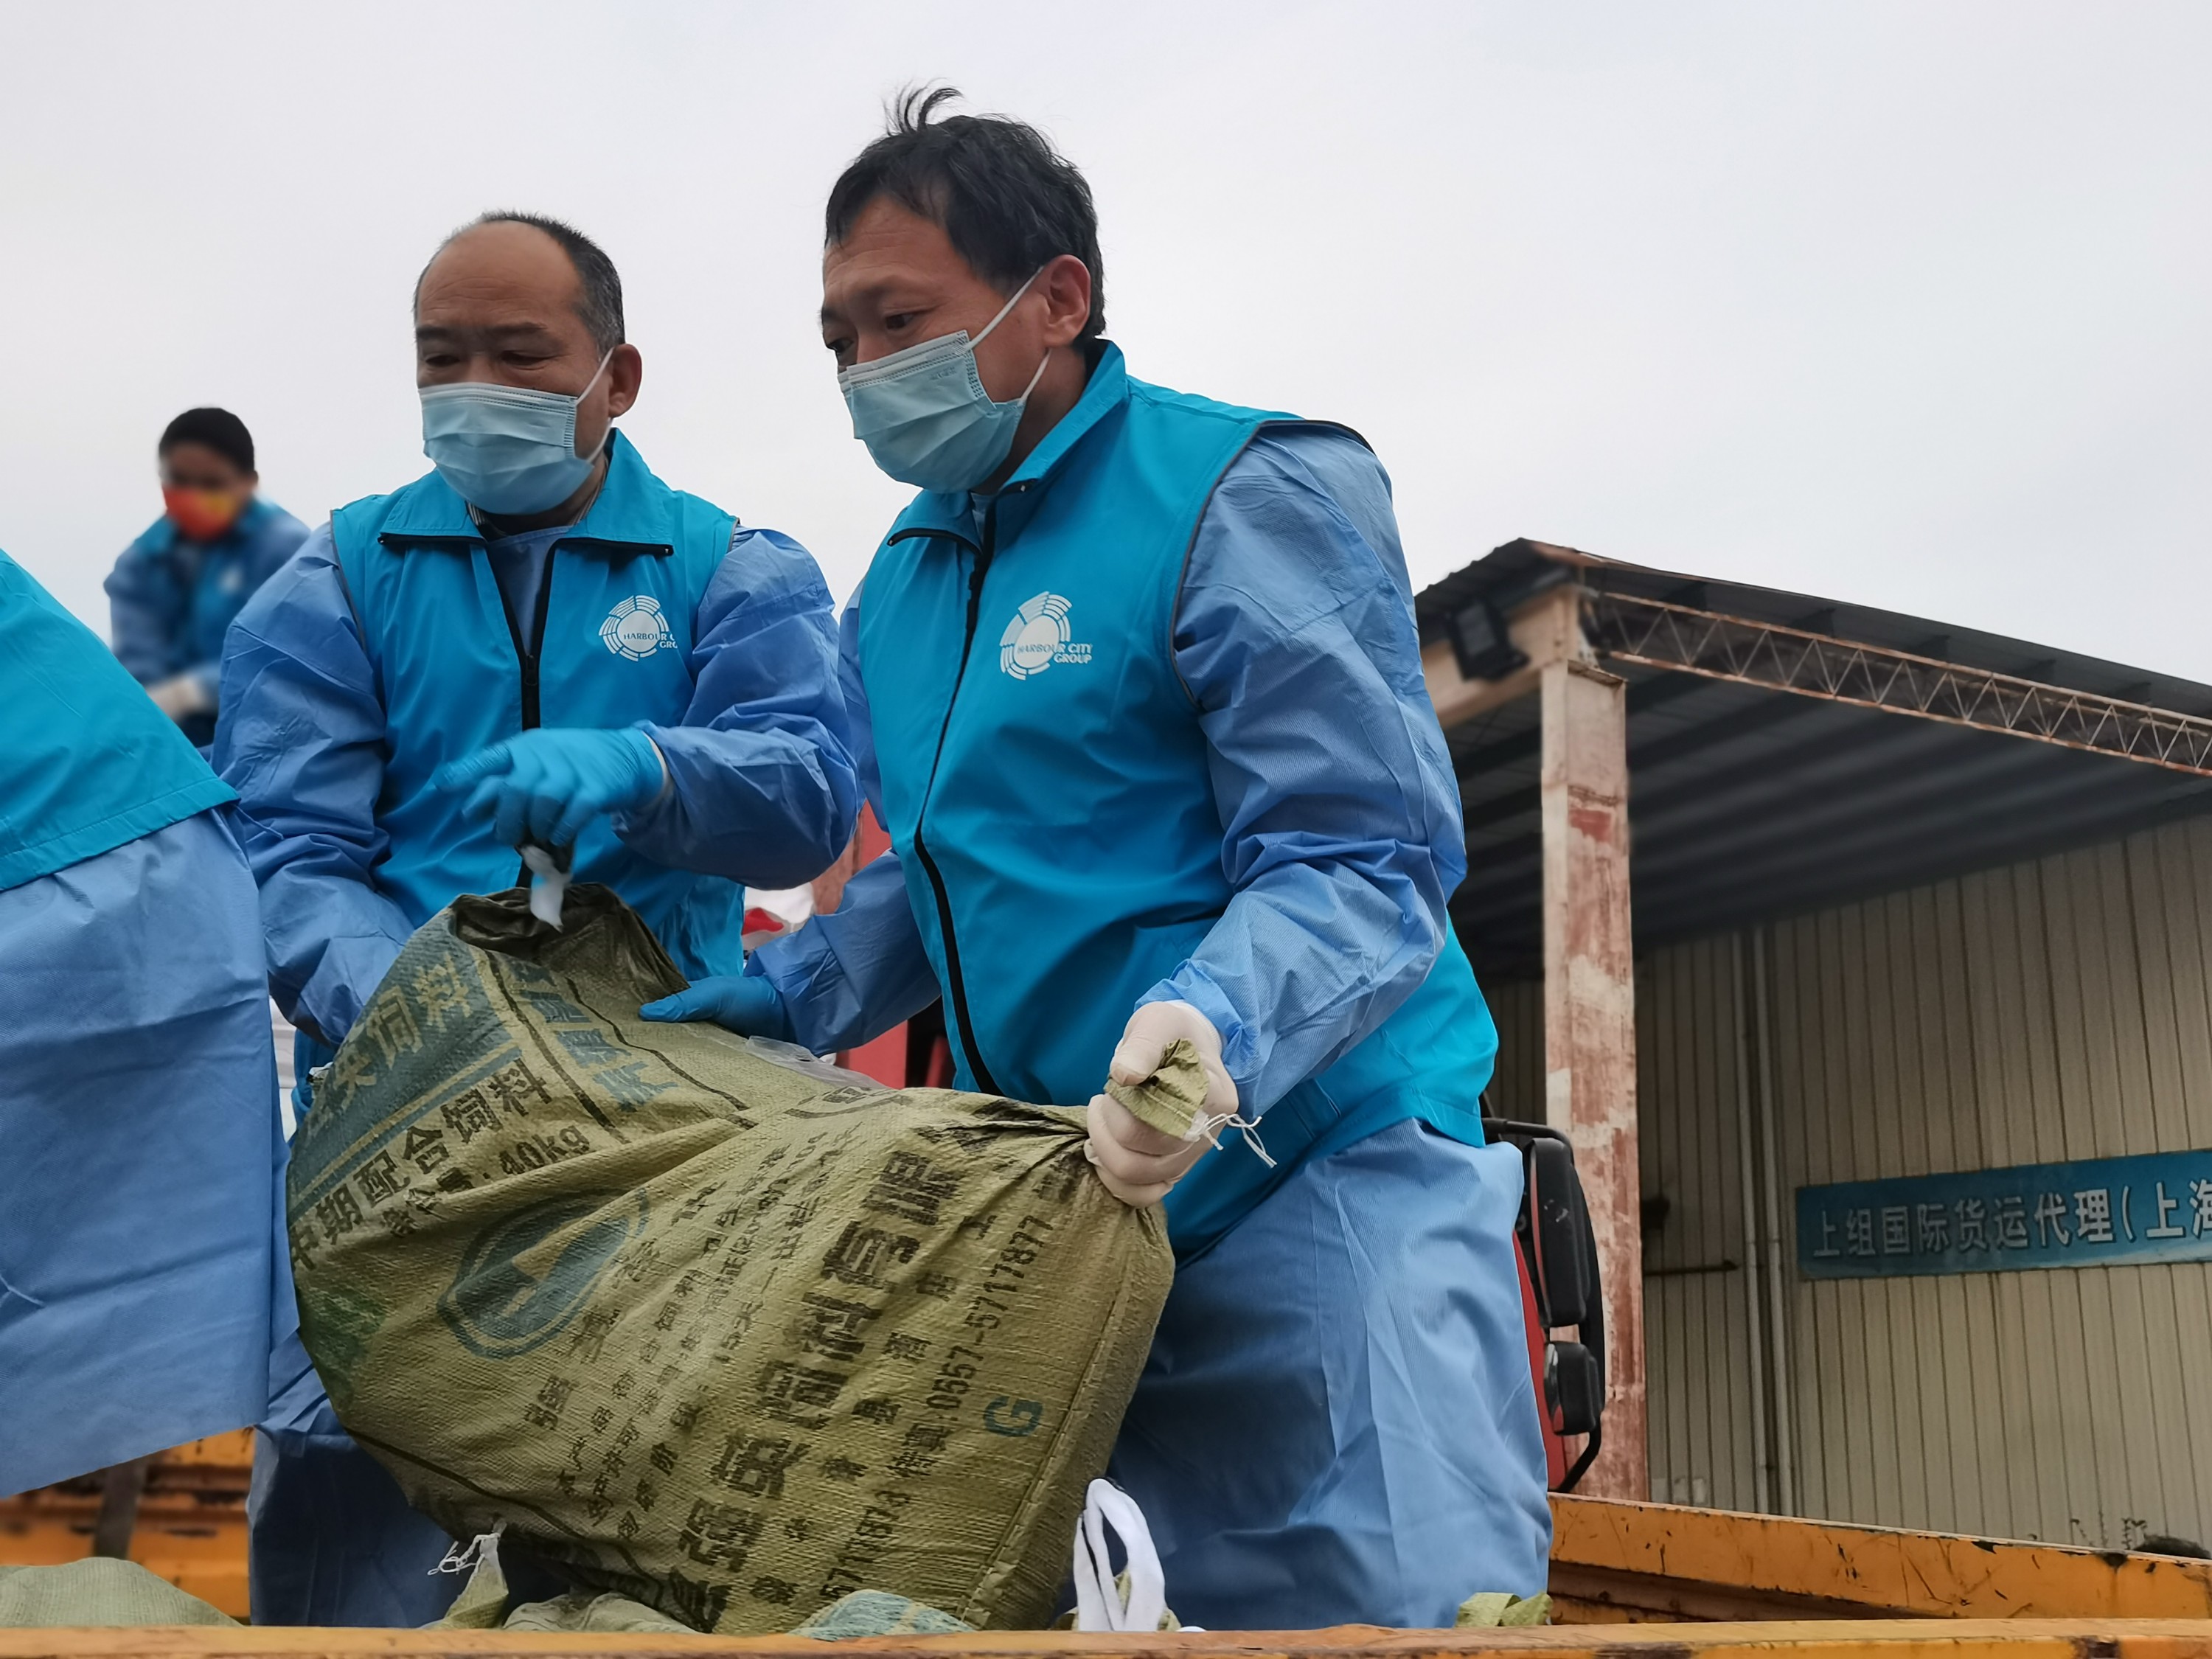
924	415
506	449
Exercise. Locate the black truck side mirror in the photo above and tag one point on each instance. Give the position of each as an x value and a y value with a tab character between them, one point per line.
1560	1250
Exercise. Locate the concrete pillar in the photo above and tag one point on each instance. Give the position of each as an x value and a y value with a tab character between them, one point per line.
1589	1021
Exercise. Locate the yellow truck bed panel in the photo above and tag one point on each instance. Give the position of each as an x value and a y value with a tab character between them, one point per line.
2110	1638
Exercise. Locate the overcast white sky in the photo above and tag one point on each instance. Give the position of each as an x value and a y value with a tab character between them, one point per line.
1905	304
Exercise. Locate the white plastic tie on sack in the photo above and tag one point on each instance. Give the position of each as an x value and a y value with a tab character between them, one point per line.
484	1546
549	884
1099	1603
1209	1130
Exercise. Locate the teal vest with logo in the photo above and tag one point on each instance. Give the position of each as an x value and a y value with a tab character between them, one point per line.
1046	785
615	618
87	761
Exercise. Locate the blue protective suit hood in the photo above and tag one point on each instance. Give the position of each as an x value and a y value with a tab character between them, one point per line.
87	762
138	1131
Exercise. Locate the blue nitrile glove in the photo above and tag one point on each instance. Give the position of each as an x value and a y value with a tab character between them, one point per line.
744	1003
547	786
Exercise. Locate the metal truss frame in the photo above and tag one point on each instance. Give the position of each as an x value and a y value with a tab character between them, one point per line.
1773	657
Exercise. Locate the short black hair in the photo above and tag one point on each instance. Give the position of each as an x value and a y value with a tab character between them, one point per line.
599	295
217	428
1008	201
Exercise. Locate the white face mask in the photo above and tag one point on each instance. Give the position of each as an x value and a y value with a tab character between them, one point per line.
924	413
506	449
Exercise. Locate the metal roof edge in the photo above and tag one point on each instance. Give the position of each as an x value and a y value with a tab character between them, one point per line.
1515	570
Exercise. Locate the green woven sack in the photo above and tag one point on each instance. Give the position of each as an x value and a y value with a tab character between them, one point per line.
710	1332
97	1591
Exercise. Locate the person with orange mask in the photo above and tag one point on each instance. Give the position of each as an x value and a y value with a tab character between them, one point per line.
173	592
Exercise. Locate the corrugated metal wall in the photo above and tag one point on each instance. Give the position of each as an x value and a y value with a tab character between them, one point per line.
2042	1012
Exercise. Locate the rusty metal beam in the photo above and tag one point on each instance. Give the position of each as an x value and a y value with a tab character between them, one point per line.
1657	635
1590	1022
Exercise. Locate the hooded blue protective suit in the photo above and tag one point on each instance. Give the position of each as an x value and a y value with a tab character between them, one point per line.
170	600
139	1136
403	636
1150	724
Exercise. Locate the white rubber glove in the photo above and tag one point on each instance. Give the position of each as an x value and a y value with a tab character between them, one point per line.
1137	1163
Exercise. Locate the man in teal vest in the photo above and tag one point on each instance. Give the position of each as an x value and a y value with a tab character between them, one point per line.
1135	687
539	642
176	590
139	1137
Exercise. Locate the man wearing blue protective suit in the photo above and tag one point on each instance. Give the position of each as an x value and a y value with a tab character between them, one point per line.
1135	686
175	591
539	642
139	1138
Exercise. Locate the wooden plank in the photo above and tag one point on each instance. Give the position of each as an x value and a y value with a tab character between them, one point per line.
1590	1022
2043	1638
1671	1558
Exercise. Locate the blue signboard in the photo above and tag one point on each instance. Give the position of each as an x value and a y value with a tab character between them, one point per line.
2156	1208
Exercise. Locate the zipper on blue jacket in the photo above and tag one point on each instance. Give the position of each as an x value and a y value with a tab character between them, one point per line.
957	986
526	655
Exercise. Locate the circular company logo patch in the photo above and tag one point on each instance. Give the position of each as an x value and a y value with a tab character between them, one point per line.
1038	637
516	1288
635	629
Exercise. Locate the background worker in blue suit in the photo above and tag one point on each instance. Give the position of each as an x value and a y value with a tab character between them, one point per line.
1135	687
538	642
139	1140
173	593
